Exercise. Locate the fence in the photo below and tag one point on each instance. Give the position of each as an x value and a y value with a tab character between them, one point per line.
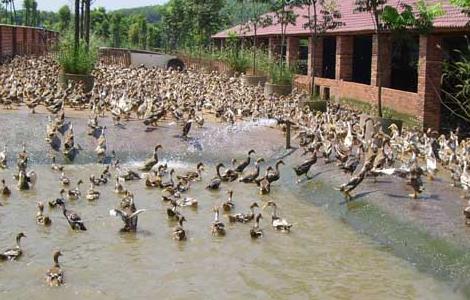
205	63
21	40
115	56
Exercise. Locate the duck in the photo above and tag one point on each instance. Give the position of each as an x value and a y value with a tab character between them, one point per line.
152	161
193	175
55	166
64	180
264	184
57	201
214	184
127	174
255	231
253	175
218	227
72	217
186	128
5	190
173	213
100	149
228	205
179	233
277	222
128	216
171	182
55	275
41	219
245	163
274	174
304	167
13	253
92	194
244	218
227	175
26	181
119	187
188	201
3	158
75	193
355	180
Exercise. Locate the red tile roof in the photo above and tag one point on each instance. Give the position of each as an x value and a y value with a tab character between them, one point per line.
355	21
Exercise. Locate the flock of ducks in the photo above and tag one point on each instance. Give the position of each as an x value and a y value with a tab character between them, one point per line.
360	149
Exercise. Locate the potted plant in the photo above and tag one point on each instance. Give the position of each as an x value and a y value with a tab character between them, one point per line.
76	65
280	82
281	74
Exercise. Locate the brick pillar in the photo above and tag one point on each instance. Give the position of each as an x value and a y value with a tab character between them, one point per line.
344	57
429	81
13	41
274	48
292	51
385	57
315	52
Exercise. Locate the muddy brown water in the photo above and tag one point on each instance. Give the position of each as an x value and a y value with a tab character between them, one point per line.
322	258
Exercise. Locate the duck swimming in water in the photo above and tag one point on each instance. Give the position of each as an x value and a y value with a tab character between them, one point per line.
255	231
41	219
179	233
3	158
92	194
215	182
245	163
253	175
5	190
55	275
13	253
72	217
128	216
218	227
152	161
55	166
228	205
75	193
277	222
244	218
193	175
26	181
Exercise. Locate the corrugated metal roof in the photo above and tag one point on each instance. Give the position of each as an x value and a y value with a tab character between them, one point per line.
355	21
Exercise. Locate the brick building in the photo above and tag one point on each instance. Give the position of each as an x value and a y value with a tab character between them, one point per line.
346	58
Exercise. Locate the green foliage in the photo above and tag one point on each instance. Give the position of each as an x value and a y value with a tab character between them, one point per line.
65	17
76	61
235	57
456	74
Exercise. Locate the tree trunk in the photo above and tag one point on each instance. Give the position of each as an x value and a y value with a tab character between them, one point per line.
77	26
254	50
379	76
82	19
87	23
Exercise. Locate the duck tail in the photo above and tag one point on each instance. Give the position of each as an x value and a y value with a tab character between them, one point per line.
82	226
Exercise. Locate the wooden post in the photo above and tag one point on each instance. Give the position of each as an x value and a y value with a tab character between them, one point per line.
288	134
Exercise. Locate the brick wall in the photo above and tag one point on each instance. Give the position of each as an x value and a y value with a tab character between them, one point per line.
21	40
344	57
400	101
385	58
292	51
315	56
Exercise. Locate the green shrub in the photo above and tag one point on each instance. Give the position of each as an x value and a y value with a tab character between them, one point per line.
80	61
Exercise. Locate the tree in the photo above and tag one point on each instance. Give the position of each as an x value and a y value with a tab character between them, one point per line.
65	17
133	34
35	14
116	26
27	12
324	17
142	25
284	16
76	43
256	21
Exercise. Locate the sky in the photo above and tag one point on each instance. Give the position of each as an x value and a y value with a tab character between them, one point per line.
54	5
